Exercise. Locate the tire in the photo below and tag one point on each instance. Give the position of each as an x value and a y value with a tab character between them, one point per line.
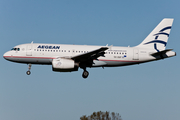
85	74
28	72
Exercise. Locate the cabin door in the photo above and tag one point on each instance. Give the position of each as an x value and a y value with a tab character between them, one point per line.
136	54
29	50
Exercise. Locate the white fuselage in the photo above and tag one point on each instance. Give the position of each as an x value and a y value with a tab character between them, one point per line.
67	58
44	54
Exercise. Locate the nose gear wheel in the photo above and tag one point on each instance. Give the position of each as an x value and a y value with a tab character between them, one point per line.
28	72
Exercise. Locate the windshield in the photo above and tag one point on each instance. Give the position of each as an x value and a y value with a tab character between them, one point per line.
16	49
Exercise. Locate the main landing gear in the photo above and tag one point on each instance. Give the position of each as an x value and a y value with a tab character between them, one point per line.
29	72
85	74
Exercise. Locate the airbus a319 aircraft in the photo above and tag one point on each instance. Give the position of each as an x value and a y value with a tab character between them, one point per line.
68	58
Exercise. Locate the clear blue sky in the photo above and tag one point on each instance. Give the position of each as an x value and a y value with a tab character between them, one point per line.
140	92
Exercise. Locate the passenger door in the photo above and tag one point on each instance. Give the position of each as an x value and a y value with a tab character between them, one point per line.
29	50
136	54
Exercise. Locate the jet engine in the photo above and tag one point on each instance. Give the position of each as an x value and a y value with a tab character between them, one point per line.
64	65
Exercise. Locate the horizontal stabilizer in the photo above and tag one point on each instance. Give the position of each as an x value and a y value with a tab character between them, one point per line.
164	54
161	52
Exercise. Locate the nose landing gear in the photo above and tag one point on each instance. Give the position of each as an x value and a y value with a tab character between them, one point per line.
29	72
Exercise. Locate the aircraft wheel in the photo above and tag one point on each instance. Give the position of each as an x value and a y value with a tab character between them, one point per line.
85	74
28	72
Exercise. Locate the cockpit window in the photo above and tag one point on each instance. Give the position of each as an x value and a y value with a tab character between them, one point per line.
16	49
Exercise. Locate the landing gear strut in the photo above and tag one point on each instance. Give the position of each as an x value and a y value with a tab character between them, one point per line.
29	72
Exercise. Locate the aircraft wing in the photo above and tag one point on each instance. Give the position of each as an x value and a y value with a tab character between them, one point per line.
90	55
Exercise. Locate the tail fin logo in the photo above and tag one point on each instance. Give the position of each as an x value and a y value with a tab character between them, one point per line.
161	32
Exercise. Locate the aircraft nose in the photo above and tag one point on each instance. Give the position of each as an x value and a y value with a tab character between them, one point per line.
6	55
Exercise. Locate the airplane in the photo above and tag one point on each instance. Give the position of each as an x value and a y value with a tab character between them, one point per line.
69	58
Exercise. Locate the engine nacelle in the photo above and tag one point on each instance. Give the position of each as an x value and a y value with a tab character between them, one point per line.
64	65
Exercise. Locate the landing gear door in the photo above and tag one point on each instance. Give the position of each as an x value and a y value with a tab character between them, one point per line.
29	50
136	54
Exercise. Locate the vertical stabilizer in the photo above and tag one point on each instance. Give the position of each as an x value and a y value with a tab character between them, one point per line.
158	38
